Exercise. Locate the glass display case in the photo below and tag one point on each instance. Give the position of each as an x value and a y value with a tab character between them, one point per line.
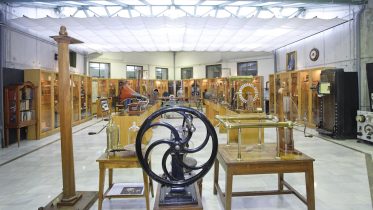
46	101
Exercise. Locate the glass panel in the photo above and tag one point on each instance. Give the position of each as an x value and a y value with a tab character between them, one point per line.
213	71
187	73
76	97
89	96
161	73
94	91
247	68
46	102
99	70
83	99
103	89
56	108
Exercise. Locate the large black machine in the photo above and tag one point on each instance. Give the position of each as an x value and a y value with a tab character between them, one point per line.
179	173
339	102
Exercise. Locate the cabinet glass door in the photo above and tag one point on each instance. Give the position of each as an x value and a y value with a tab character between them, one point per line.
46	101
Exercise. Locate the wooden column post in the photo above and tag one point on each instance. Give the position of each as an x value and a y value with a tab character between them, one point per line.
69	199
70	196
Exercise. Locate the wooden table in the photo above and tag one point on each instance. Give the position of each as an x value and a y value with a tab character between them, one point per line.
120	160
262	161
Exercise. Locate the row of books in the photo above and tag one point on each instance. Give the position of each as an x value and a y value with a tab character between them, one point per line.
25	105
27	115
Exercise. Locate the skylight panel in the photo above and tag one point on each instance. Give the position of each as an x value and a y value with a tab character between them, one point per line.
203	10
75	3
186	2
104	3
213	3
131	2
159	2
240	3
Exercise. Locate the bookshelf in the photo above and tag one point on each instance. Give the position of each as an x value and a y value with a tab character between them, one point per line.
19	109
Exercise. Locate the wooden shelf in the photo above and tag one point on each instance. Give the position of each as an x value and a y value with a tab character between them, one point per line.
19	109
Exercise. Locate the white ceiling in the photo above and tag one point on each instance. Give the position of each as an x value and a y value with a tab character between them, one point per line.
188	33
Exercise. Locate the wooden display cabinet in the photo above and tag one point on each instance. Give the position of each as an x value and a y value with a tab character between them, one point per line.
47	117
19	110
45	100
302	89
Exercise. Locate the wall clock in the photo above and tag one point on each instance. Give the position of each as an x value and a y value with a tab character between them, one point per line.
314	54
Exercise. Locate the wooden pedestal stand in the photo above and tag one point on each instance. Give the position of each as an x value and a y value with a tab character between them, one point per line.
69	198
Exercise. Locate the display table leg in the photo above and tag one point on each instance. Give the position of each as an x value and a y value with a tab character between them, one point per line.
280	181
110	177
228	190
216	175
310	188
146	190
101	183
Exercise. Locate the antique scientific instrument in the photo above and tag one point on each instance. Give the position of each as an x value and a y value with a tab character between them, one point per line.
339	102
177	183
245	93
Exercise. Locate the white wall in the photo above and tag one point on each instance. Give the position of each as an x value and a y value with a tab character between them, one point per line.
27	52
197	60
337	49
149	61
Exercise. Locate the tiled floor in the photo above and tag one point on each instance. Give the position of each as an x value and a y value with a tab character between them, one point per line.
341	180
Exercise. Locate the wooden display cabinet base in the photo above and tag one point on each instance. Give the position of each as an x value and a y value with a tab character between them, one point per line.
88	198
181	207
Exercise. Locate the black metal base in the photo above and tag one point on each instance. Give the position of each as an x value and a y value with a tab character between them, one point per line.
84	203
178	196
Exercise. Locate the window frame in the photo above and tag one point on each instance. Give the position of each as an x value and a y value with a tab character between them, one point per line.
215	65
161	68
136	68
186	69
99	69
248	72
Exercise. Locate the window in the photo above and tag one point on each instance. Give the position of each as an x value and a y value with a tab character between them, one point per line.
213	71
132	72
187	73
247	68
161	73
99	70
